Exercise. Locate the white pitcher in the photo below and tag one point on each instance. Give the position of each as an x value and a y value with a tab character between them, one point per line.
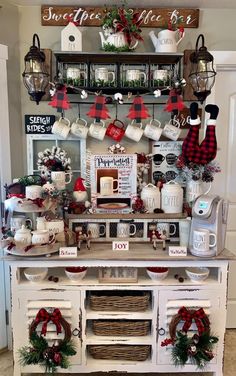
167	40
194	189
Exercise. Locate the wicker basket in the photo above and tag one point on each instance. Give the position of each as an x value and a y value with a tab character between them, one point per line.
120	352
123	302
120	328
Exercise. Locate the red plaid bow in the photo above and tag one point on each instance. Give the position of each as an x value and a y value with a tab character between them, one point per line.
45	317
198	316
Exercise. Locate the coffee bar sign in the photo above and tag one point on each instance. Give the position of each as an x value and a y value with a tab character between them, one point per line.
92	16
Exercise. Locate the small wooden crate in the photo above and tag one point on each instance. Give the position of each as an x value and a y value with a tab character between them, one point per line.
121	327
120	352
120	302
118	274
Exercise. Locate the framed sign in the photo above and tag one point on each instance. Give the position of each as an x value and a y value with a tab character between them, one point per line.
39	124
92	16
165	154
118	274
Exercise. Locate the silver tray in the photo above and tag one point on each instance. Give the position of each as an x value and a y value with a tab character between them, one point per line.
40	250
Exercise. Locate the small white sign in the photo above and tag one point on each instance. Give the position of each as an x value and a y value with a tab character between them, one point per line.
177	251
68	252
120	245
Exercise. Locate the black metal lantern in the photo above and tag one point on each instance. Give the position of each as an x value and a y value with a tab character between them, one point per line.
35	76
202	76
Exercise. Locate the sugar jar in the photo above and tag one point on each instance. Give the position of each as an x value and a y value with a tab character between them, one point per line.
151	197
23	235
172	197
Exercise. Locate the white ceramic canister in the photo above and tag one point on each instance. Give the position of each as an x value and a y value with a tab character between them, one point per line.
172	197
151	197
23	235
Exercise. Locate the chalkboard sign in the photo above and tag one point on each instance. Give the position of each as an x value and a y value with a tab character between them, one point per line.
39	124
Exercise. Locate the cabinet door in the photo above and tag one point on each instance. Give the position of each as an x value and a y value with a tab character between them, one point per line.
169	304
30	302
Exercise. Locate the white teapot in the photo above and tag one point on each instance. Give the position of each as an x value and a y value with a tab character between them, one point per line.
23	235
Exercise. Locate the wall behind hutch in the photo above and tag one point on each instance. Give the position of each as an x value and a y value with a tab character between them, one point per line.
218	36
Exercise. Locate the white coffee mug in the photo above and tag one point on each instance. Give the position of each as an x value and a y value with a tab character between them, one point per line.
40	237
61	127
59	179
55	226
33	191
153	131
125	230
164	228
103	74
16	223
134	132
135	75
107	185
74	73
79	128
202	241
160	74
184	231
97	130
172	130
96	230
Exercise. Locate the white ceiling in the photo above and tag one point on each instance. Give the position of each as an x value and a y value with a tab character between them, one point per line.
140	3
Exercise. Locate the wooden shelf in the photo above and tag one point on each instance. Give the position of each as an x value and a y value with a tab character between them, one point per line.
114	57
151	216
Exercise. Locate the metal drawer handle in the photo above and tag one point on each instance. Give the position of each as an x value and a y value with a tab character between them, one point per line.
161	331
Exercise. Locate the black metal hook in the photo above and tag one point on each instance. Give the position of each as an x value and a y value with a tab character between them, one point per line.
79	110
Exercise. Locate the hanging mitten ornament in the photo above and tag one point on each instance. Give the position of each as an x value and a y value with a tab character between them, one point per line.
79	193
99	109
190	148
60	99
138	110
208	146
175	102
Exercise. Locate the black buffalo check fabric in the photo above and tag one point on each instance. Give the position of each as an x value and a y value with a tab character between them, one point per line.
99	109
138	110
44	317
199	316
175	102
203	153
60	100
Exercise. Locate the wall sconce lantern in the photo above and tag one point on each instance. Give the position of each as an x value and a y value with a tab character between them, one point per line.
35	76
202	74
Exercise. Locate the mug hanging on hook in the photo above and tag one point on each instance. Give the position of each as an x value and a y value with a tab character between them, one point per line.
79	127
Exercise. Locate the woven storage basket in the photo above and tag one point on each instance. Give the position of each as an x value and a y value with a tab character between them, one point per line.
120	328
120	352
119	302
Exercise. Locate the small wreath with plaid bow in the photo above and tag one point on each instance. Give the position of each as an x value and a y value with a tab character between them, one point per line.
50	357
198	348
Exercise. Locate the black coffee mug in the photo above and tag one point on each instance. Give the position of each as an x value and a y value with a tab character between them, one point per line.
158	159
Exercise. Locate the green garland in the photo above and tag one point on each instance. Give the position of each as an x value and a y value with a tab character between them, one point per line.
197	349
48	357
108	47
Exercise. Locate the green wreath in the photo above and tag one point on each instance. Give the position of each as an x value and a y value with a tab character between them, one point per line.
50	357
198	348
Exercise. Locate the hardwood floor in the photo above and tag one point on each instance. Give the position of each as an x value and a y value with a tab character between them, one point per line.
6	361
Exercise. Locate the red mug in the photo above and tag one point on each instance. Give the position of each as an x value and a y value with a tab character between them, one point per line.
114	131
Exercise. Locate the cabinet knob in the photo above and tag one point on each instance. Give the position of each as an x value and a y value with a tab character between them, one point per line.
161	331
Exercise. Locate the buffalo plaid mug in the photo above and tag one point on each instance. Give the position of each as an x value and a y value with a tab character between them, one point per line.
114	131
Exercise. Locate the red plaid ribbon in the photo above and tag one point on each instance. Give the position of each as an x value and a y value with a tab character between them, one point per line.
198	316
45	317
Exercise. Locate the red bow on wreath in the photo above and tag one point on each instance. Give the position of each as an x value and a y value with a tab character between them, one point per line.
45	317
198	316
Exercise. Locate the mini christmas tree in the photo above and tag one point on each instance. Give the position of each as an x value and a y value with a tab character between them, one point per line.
60	99
175	102
138	110
99	109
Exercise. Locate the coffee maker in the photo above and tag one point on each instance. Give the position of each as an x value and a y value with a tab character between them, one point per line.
209	212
